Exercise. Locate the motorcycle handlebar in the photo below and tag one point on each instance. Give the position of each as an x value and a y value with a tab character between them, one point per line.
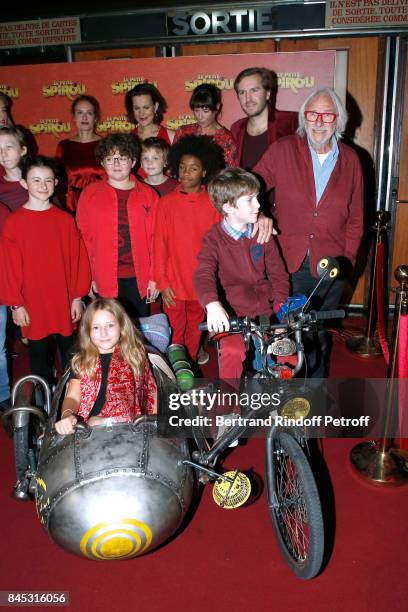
241	324
328	314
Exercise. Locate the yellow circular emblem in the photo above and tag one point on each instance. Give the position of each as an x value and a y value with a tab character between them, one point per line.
295	408
121	539
233	494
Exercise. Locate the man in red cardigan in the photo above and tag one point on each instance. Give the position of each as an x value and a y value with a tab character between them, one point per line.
318	203
263	124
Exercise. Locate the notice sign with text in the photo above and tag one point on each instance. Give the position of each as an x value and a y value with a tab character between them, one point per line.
40	33
366	13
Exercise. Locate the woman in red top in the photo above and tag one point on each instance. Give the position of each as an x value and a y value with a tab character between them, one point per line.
205	102
111	375
145	106
78	153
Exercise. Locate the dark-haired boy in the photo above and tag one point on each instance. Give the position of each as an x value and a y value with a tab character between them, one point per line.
252	275
116	218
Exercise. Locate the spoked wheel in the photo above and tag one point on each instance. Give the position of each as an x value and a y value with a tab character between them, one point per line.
294	505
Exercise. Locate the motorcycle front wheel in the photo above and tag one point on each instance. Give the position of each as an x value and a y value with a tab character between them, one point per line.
294	505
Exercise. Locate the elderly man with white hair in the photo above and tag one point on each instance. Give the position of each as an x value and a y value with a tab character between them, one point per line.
318	204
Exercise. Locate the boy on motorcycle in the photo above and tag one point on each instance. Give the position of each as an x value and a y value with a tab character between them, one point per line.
235	274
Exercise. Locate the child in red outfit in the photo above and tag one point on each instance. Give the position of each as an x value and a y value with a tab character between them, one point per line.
252	276
116	219
183	217
46	269
111	379
153	161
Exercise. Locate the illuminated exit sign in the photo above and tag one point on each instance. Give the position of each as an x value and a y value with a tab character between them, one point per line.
200	23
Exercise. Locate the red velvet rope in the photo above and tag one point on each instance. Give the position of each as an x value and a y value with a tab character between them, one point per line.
403	375
379	288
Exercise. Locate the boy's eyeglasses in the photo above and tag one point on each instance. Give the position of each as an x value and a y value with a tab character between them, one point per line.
313	116
111	160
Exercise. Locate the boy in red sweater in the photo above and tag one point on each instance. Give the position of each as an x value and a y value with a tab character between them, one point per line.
252	275
116	219
45	268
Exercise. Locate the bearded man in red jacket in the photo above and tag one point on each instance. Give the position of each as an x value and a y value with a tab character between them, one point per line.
256	92
318	204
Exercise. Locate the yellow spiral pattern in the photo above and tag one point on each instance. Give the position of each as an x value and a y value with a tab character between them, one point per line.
120	539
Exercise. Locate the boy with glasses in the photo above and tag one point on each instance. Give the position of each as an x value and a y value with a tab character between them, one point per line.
116	219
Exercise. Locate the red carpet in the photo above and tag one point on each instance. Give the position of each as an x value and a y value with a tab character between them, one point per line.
229	559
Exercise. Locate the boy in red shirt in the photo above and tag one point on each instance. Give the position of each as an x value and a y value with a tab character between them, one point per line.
45	268
116	218
251	275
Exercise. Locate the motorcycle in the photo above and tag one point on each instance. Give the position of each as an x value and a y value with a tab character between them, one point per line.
119	490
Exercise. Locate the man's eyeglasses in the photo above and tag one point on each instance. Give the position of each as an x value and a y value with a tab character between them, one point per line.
111	160
313	116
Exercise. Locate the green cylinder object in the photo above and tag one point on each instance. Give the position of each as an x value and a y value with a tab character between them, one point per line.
176	352
181	365
185	379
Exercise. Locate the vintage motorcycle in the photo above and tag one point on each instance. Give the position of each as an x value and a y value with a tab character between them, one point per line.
119	490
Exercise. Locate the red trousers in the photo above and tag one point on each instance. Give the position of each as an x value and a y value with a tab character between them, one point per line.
184	318
231	355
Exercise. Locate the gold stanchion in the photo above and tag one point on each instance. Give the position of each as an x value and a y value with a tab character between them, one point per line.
367	345
377	461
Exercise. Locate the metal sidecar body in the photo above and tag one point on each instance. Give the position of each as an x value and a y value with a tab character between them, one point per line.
106	492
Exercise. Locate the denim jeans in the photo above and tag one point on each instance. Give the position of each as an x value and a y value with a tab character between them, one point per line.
4	379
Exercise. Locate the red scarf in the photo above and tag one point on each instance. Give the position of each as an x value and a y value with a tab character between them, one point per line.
126	396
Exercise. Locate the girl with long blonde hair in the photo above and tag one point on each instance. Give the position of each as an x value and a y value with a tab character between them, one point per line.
111	378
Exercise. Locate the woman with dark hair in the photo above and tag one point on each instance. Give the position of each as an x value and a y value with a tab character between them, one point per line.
145	106
206	104
78	153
